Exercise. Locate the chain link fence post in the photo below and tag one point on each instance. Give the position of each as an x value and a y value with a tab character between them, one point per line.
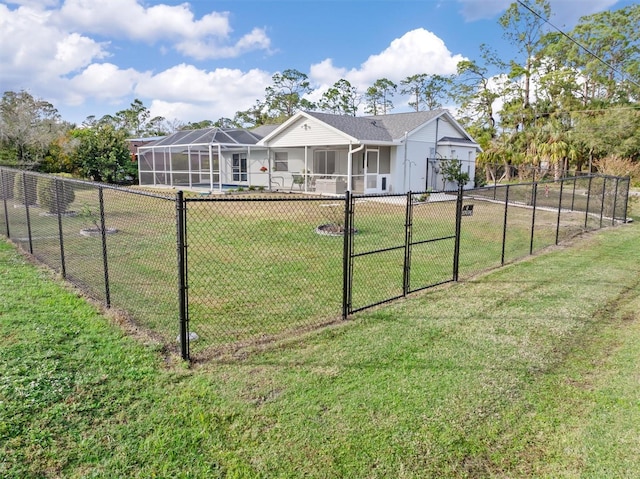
347	261
626	199
604	194
586	210
27	198
58	186
105	260
456	248
504	223
534	200
559	210
182	275
5	196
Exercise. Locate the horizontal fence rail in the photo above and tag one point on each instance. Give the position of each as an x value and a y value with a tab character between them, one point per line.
209	275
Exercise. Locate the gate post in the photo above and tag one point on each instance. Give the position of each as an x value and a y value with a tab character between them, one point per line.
182	275
408	232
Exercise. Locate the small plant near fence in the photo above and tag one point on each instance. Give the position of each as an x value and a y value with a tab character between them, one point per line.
93	220
333	217
28	197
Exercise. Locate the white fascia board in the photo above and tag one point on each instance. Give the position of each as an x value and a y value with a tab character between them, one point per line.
265	141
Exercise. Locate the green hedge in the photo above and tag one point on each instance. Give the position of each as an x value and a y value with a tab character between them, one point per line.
47	195
30	197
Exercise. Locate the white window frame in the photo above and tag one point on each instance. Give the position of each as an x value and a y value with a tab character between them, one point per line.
281	161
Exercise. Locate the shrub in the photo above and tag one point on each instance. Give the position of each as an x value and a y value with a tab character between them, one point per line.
47	195
30	196
617	166
6	185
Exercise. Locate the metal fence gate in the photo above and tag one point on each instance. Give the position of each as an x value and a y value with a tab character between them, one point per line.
399	244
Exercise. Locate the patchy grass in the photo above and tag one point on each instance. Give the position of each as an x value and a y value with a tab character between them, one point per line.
530	371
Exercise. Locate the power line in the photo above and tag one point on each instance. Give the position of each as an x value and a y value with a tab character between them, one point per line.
604	62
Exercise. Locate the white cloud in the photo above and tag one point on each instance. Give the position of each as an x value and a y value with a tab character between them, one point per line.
31	47
209	48
207	37
105	81
417	51
221	92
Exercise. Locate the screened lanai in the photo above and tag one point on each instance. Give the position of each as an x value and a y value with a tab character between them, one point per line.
209	158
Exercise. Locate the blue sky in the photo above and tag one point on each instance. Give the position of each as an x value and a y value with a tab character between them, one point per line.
207	59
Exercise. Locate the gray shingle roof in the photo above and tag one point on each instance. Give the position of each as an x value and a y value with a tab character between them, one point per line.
377	127
456	140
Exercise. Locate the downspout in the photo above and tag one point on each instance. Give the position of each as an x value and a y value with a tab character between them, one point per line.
220	168
189	166
210	168
269	168
306	169
404	164
436	151
350	165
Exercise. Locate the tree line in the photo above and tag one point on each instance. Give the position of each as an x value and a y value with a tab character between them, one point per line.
567	100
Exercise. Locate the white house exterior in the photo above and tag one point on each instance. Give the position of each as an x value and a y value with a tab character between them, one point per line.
393	153
315	152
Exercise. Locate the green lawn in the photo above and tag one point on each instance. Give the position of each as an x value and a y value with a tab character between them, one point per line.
530	371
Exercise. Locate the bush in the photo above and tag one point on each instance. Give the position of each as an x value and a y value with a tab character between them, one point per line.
47	195
30	196
616	166
6	185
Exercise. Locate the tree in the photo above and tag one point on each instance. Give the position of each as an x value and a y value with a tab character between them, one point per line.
606	53
475	92
342	99
426	91
378	97
27	127
286	96
452	172
136	121
524	29
256	115
103	154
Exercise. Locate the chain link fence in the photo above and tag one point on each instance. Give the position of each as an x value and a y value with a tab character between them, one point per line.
212	275
116	245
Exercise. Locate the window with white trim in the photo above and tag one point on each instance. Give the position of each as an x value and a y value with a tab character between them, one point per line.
324	162
281	161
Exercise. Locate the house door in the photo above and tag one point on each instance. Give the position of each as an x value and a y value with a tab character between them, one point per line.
239	167
374	181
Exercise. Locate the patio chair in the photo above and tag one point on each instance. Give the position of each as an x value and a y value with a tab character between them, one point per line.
297	179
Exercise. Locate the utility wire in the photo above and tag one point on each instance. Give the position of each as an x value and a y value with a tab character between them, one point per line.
604	62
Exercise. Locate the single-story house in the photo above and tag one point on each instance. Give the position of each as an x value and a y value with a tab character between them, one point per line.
317	152
393	153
